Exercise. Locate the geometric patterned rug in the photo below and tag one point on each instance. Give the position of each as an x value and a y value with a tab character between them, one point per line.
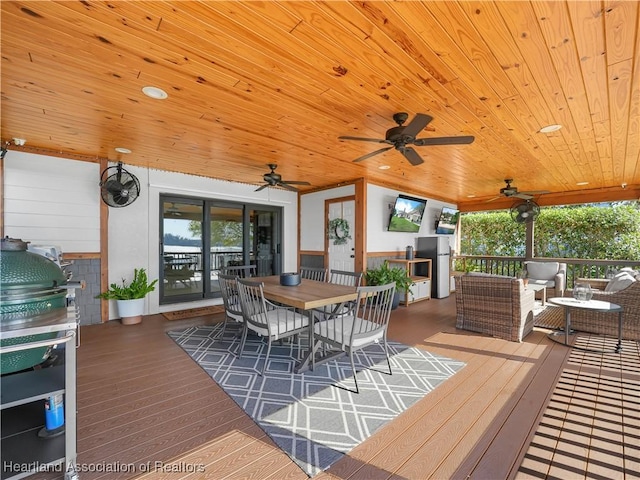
314	422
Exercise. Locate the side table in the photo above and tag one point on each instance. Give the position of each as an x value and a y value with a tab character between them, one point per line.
595	305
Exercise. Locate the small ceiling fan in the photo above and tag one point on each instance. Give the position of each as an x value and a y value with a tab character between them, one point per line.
274	179
402	136
510	191
524	212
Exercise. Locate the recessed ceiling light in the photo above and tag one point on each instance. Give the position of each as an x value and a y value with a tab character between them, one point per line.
550	128
384	167
471	196
122	150
582	183
155	92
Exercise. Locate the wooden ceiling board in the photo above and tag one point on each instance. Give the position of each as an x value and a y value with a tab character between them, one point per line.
252	83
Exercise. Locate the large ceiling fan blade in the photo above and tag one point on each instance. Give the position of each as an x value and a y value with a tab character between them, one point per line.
416	125
536	192
522	195
362	139
369	155
494	199
411	155
420	142
262	187
287	186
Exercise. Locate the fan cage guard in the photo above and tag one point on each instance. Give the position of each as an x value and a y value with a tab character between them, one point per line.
119	189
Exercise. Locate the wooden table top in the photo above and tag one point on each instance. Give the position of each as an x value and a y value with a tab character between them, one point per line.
309	294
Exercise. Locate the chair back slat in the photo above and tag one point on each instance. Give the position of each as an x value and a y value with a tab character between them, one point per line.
373	309
314	273
229	291
242	271
342	277
253	306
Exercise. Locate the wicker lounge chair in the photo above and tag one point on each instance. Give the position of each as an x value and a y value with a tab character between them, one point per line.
607	323
495	305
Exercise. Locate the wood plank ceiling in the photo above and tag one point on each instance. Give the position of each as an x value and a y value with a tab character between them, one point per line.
252	83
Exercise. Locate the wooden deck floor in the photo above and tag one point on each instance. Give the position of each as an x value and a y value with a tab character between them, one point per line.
142	400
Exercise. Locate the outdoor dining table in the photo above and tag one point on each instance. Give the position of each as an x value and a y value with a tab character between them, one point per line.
306	296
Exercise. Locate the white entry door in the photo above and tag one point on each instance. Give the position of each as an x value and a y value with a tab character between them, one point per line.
342	257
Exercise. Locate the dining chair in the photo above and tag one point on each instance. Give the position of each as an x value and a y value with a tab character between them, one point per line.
231	300
343	277
339	277
242	271
267	319
314	273
365	325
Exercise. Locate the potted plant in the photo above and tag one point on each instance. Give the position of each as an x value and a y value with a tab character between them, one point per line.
130	296
383	275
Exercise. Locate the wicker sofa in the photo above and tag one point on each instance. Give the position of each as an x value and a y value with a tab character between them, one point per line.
607	323
496	305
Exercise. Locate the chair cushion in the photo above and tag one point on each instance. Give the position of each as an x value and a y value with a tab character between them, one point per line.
621	281
281	322
542	270
339	330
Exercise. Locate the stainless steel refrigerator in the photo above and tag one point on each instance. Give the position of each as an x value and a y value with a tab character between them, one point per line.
439	251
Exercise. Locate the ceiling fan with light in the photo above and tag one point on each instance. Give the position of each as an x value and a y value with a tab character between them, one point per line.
274	179
510	191
402	136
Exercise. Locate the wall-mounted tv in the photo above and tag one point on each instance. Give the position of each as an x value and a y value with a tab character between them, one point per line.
407	214
447	221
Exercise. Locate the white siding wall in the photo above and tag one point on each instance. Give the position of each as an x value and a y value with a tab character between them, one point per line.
56	201
312	221
52	201
380	201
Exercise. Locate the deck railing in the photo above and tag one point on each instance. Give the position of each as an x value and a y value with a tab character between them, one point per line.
576	267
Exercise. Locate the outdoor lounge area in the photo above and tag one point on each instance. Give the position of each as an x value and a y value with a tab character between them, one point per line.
535	409
186	139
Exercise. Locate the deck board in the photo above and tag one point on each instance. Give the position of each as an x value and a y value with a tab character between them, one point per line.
516	410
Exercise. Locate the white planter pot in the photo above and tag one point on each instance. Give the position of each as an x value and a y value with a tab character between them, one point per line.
131	311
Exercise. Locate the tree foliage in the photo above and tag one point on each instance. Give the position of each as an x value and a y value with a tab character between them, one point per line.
224	233
609	231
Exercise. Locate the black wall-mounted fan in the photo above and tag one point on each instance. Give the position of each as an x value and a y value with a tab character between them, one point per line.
274	179
118	187
524	212
401	136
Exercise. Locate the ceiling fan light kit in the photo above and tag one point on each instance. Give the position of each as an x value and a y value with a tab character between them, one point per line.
401	137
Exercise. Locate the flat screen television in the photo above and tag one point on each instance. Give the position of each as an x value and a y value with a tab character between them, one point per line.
447	221
407	214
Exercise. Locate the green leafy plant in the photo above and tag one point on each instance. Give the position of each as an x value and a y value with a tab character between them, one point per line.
383	275
138	288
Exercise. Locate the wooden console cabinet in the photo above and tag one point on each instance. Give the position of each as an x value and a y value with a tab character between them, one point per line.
421	288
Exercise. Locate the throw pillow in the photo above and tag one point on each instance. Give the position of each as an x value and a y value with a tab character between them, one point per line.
621	281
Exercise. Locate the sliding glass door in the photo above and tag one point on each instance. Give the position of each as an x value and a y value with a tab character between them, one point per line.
200	236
